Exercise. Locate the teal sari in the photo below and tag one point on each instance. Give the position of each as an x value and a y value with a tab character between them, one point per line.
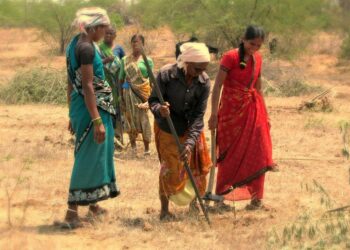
93	176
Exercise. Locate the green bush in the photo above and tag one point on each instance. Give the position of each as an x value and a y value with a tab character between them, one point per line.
297	87
38	85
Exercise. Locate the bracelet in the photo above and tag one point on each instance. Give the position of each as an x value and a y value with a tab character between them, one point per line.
97	121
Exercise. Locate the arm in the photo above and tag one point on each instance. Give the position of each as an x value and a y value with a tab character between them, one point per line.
89	93
69	91
108	59
158	110
151	64
197	123
258	87
121	76
90	102
215	97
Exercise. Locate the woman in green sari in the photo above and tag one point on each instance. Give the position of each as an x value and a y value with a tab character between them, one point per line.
111	64
136	87
90	112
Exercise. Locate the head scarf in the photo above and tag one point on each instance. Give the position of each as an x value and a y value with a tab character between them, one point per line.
193	52
90	17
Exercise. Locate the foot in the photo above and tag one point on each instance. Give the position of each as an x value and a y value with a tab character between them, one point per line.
194	207
134	152
254	205
71	221
166	216
147	153
71	215
221	206
275	168
96	210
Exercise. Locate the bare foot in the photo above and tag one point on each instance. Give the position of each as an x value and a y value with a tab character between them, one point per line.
96	210
166	216
222	207
71	221
256	204
275	168
194	207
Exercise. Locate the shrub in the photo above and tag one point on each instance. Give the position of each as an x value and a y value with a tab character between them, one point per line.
345	48
290	87
37	85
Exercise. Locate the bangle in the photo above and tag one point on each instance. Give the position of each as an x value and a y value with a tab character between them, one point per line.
97	121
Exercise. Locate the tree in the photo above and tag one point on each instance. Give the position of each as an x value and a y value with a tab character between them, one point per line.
55	17
222	22
13	12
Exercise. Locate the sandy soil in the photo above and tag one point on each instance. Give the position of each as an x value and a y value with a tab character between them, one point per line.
36	157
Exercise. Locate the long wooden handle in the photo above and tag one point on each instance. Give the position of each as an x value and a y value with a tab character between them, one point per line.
173	132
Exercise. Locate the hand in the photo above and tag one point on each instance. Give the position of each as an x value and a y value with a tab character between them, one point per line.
213	122
186	153
70	128
164	110
109	59
144	105
99	133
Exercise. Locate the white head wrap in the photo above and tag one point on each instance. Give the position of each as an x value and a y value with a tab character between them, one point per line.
90	17
193	52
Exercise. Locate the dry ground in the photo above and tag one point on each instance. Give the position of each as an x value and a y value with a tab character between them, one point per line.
36	156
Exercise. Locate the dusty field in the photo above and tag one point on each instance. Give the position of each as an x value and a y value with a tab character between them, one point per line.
36	156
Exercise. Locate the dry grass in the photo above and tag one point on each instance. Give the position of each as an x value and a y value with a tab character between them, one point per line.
37	156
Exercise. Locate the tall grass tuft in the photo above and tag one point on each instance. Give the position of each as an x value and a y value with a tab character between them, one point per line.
37	85
314	229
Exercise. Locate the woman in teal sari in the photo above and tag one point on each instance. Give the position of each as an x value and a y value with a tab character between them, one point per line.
90	112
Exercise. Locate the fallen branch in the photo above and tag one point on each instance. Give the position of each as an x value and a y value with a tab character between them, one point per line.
338	209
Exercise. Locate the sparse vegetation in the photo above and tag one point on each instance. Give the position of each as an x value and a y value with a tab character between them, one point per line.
345	49
290	87
344	129
306	145
317	227
314	123
37	85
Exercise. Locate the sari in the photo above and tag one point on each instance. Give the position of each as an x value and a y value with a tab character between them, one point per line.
136	91
173	176
243	134
111	71
93	176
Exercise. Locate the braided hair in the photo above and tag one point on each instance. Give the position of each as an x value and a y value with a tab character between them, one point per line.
251	33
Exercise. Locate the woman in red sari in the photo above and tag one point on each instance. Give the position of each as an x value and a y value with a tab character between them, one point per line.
242	123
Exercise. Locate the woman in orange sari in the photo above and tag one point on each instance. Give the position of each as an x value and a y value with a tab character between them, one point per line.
242	123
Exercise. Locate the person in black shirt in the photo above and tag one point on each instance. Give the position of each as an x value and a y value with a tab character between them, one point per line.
185	88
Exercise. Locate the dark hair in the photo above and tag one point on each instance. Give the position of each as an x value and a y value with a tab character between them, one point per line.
251	32
138	36
112	27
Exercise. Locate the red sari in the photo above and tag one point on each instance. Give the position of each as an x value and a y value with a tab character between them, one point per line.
243	139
